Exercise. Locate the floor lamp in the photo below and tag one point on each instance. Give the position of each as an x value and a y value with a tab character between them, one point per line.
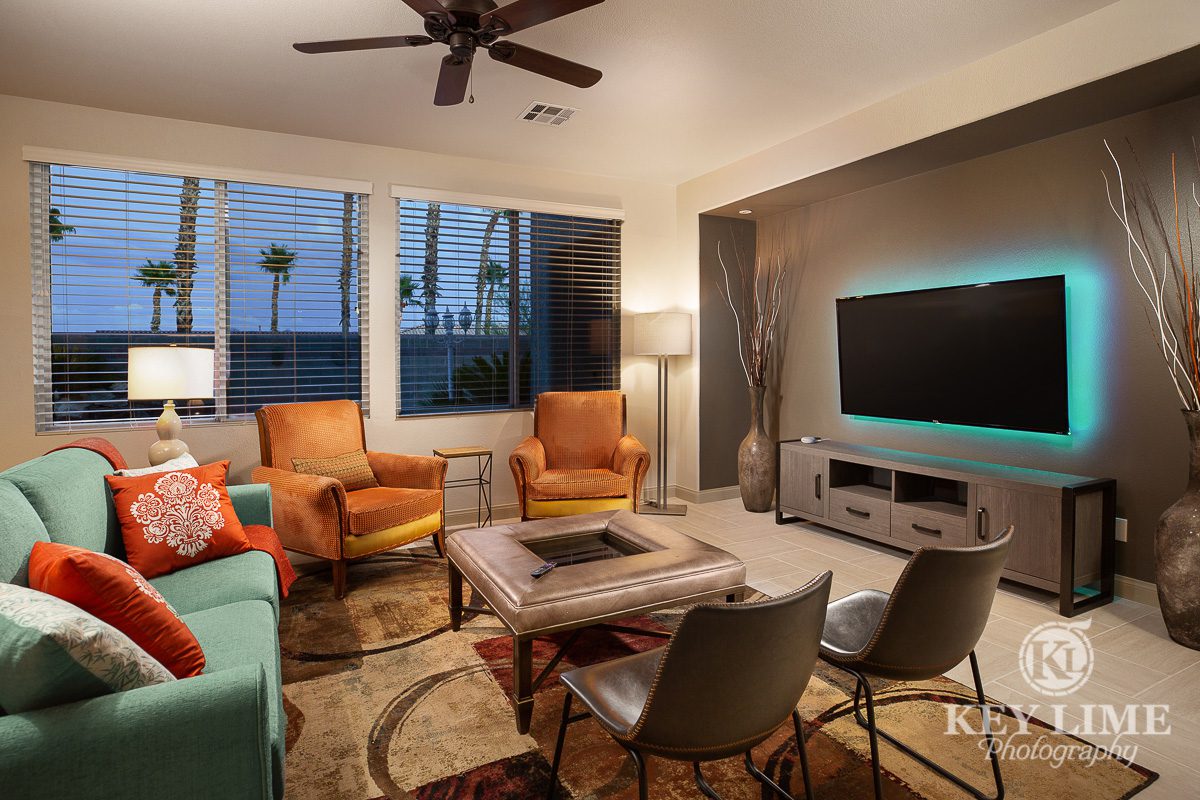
662	334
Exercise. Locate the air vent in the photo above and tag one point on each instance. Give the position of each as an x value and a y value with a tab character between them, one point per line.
540	113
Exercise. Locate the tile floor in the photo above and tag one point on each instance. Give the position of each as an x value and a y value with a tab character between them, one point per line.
1135	661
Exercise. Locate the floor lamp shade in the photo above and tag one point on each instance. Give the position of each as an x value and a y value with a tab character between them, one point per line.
662	334
170	374
667	333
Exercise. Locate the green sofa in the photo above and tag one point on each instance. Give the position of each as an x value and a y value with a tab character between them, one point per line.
217	735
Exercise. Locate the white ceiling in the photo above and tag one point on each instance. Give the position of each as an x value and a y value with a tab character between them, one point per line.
690	85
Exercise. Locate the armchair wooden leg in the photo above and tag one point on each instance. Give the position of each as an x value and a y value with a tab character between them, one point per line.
439	542
339	578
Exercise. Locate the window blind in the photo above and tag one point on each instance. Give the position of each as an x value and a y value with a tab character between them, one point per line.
496	305
268	276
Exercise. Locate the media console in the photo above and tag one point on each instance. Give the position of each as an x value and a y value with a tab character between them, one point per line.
1064	537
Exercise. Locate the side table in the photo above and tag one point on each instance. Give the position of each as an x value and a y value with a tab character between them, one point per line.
482	481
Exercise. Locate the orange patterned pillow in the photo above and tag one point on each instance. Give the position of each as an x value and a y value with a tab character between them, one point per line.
352	469
172	520
114	592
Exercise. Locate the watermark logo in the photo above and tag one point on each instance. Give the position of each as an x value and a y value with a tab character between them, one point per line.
1056	658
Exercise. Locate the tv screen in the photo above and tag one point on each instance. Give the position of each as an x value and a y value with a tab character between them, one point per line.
988	354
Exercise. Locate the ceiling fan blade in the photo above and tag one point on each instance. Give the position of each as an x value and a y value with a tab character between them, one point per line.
371	43
560	69
452	81
427	8
526	13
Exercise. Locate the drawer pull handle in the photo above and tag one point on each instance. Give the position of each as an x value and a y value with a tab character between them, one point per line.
923	529
857	513
817	485
980	531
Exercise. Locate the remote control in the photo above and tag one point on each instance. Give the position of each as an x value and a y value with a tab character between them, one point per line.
543	569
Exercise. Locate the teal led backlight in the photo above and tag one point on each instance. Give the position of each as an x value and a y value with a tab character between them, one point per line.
1087	307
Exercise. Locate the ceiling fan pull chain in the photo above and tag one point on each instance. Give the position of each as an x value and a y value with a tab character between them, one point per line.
471	98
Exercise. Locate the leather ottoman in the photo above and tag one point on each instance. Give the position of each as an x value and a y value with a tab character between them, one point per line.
611	565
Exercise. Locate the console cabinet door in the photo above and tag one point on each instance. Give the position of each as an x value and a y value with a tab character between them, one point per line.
1036	535
802	483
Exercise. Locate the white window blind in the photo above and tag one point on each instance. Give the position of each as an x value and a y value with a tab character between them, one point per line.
270	277
496	305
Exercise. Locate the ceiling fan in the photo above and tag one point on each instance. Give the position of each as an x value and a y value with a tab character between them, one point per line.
465	25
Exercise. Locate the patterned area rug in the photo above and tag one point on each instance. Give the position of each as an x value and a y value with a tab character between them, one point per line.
385	701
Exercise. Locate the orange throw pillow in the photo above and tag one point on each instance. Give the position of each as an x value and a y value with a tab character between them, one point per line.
114	592
177	519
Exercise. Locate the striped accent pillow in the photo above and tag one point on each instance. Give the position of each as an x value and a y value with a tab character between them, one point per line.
350	468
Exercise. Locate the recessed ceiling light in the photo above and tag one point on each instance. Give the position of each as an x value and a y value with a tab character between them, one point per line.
745	211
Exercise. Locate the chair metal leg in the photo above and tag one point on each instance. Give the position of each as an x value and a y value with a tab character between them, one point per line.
708	791
863	687
640	763
562	736
800	745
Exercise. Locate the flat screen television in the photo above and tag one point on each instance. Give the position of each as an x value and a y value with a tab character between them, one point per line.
988	354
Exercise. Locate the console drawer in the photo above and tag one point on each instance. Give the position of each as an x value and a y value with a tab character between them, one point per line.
859	510
923	527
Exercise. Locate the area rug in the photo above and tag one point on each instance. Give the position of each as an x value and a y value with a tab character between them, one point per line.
385	701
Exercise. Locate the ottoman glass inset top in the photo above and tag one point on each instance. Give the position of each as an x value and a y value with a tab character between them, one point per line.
580	548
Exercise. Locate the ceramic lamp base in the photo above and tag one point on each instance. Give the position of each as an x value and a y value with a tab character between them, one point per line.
169	445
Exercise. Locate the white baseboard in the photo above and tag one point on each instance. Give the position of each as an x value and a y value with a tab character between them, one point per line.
1136	590
468	516
706	495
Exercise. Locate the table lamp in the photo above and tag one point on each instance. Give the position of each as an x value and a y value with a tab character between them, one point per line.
169	374
662	334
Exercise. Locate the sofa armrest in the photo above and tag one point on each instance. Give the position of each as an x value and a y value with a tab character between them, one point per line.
399	471
200	738
632	459
309	510
251	503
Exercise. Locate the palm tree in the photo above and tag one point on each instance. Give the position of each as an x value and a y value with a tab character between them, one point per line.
185	253
347	271
496	275
277	261
406	290
484	261
159	276
58	229
433	225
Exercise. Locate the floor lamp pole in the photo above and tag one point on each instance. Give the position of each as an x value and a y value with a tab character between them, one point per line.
660	504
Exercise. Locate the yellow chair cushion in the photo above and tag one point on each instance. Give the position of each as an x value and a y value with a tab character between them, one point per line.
386	539
540	509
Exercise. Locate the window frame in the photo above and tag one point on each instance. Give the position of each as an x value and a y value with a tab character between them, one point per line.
402	193
41	160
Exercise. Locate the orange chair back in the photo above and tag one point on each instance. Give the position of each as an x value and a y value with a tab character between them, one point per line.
309	430
579	430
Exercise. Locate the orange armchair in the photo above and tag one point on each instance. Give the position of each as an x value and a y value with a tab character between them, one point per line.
316	515
579	459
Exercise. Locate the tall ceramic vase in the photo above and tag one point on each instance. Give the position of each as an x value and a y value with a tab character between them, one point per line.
756	459
1177	552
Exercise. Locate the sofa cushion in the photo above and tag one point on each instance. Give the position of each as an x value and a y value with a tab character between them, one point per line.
52	653
114	592
246	576
246	633
567	484
20	529
377	509
67	490
177	519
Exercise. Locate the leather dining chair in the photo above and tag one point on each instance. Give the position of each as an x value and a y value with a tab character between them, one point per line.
930	622
689	701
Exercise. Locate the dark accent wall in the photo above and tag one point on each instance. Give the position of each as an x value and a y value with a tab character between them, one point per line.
724	407
1031	210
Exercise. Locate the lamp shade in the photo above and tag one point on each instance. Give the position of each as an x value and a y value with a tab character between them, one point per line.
666	333
170	373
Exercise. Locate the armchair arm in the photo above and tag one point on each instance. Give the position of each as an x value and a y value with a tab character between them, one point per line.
251	503
194	739
309	510
408	472
527	463
632	460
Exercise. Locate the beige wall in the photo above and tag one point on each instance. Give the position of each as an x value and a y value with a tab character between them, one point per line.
649	269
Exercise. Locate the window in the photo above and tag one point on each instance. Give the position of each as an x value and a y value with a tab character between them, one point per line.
496	305
268	276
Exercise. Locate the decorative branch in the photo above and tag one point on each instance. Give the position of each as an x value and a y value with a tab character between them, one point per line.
757	312
1172	291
